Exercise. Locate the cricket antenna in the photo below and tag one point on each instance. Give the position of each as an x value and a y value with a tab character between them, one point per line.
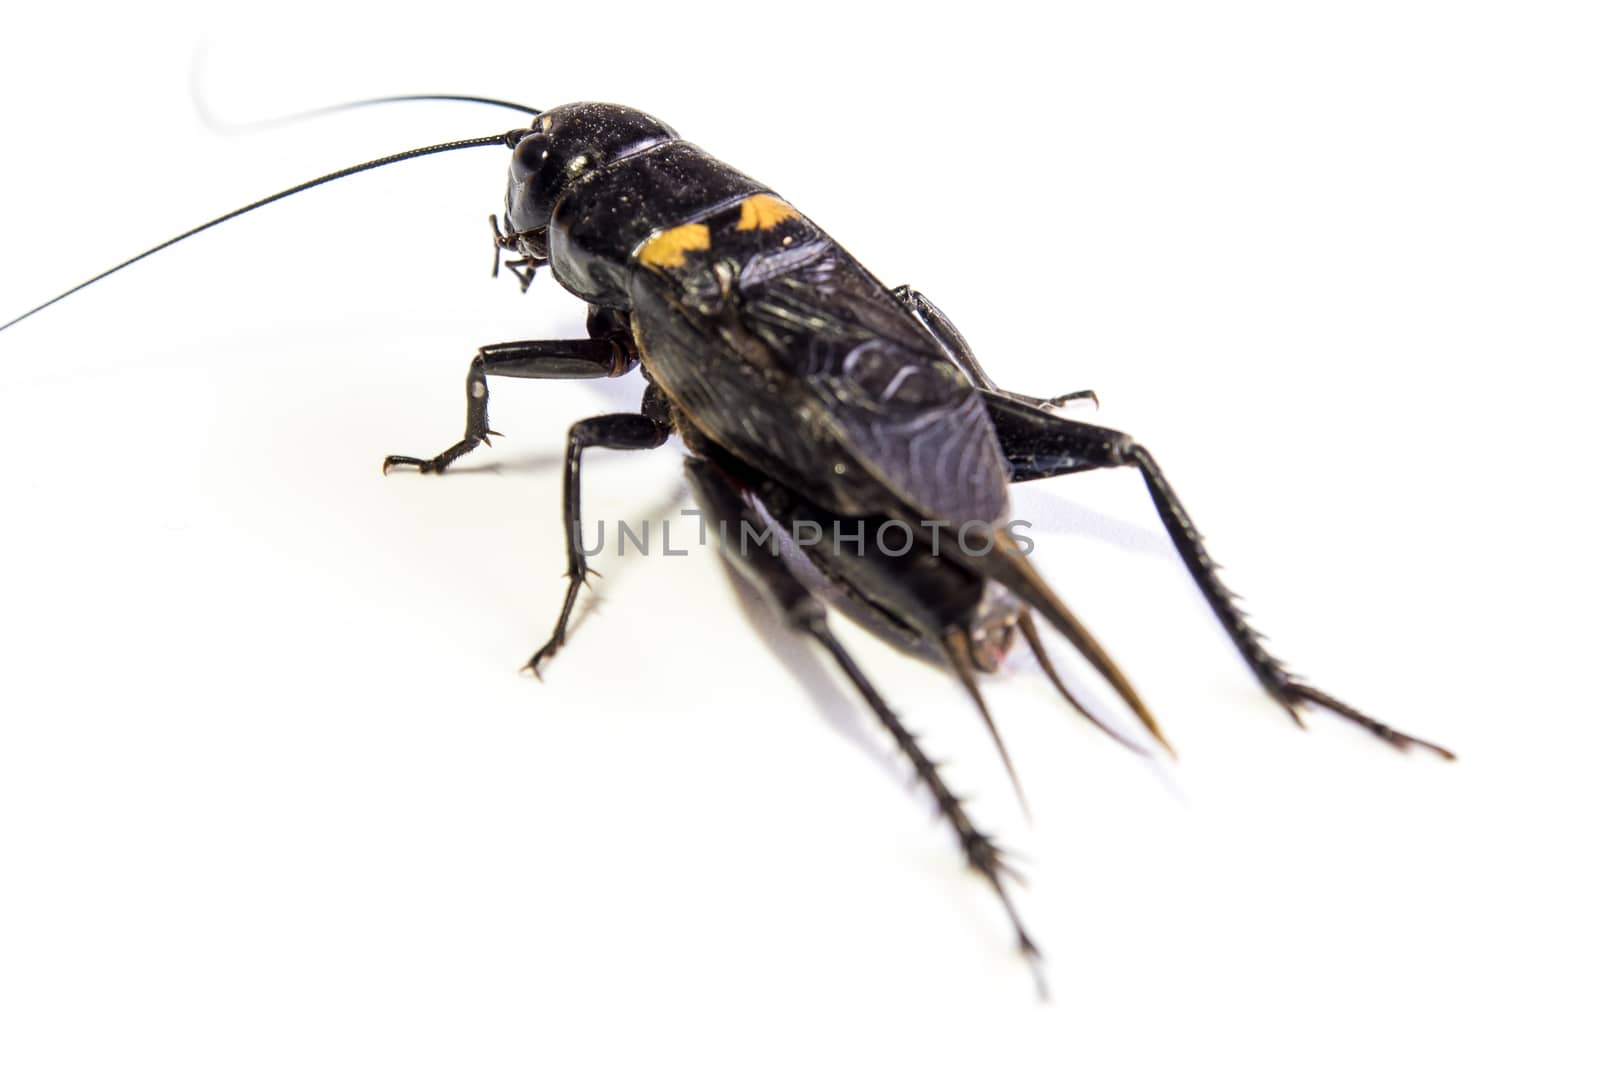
224	126
504	140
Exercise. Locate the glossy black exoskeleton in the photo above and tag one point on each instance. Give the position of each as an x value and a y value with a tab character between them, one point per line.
806	392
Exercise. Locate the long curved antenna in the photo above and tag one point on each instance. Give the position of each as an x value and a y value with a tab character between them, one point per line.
224	126
504	140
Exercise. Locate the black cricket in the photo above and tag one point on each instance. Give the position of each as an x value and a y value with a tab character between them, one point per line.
805	390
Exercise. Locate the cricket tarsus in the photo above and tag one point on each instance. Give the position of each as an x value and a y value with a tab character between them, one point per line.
1299	692
1066	400
438	463
576	581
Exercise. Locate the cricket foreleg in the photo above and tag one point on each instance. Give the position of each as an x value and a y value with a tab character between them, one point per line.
593	358
1041	445
630	432
939	326
724	505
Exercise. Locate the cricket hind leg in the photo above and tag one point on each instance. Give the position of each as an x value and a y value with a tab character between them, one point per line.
607	353
920	599
724	503
624	431
938	324
1041	445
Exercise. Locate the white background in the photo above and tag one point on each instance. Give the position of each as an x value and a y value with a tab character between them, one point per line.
272	789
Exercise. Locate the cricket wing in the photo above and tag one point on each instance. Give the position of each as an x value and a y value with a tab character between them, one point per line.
801	363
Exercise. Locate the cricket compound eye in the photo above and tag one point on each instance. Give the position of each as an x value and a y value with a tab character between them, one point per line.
529	155
535	183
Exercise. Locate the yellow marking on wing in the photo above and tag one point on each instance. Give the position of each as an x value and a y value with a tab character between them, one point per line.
667	248
763	212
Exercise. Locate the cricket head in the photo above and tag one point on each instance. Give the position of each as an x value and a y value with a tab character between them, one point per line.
563	146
